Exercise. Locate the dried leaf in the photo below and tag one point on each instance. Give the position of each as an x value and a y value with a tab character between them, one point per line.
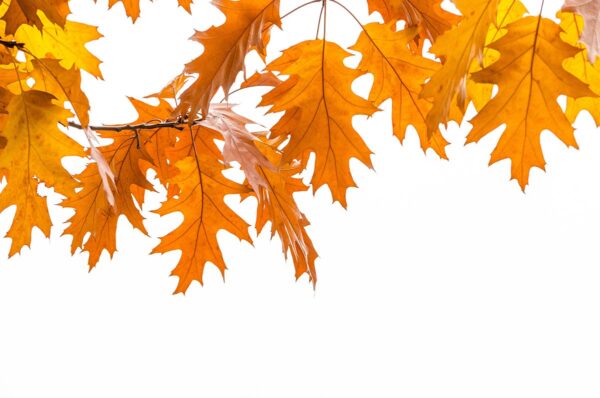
590	11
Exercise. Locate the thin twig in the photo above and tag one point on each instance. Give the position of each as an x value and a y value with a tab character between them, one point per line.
12	44
176	124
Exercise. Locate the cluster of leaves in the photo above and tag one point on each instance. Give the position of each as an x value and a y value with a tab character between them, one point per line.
511	63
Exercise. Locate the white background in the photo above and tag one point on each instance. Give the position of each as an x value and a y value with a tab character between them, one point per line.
442	279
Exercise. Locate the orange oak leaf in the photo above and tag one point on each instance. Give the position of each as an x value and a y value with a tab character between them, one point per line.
277	205
22	12
530	77
94	213
132	7
590	36
200	199
428	15
399	75
171	90
319	106
266	79
458	48
12	78
186	5
157	142
273	185
225	48
32	153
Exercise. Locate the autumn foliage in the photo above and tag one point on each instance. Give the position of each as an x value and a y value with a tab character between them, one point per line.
512	64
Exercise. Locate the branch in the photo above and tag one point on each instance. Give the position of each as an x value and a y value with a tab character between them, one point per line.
176	124
12	44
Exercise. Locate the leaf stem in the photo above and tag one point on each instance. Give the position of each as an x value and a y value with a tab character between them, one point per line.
319	22
299	8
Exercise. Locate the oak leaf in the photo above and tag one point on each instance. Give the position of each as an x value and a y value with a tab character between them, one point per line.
319	106
66	43
277	205
590	36
258	79
530	77
132	7
201	189
273	184
508	11
186	5
239	144
22	12
63	84
580	66
32	154
225	48
94	212
399	75
458	47
159	141
428	15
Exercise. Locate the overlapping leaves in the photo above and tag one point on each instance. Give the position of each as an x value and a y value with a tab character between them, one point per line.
510	63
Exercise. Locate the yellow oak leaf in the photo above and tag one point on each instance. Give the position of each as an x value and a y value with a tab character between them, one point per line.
508	12
530	77
32	154
319	106
65	43
64	84
580	66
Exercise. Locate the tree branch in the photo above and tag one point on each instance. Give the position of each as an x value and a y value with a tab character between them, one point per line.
12	44
176	124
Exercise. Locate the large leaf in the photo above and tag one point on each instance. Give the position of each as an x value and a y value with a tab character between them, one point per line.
201	189
33	150
530	77
319	106
458	47
225	48
94	212
399	74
